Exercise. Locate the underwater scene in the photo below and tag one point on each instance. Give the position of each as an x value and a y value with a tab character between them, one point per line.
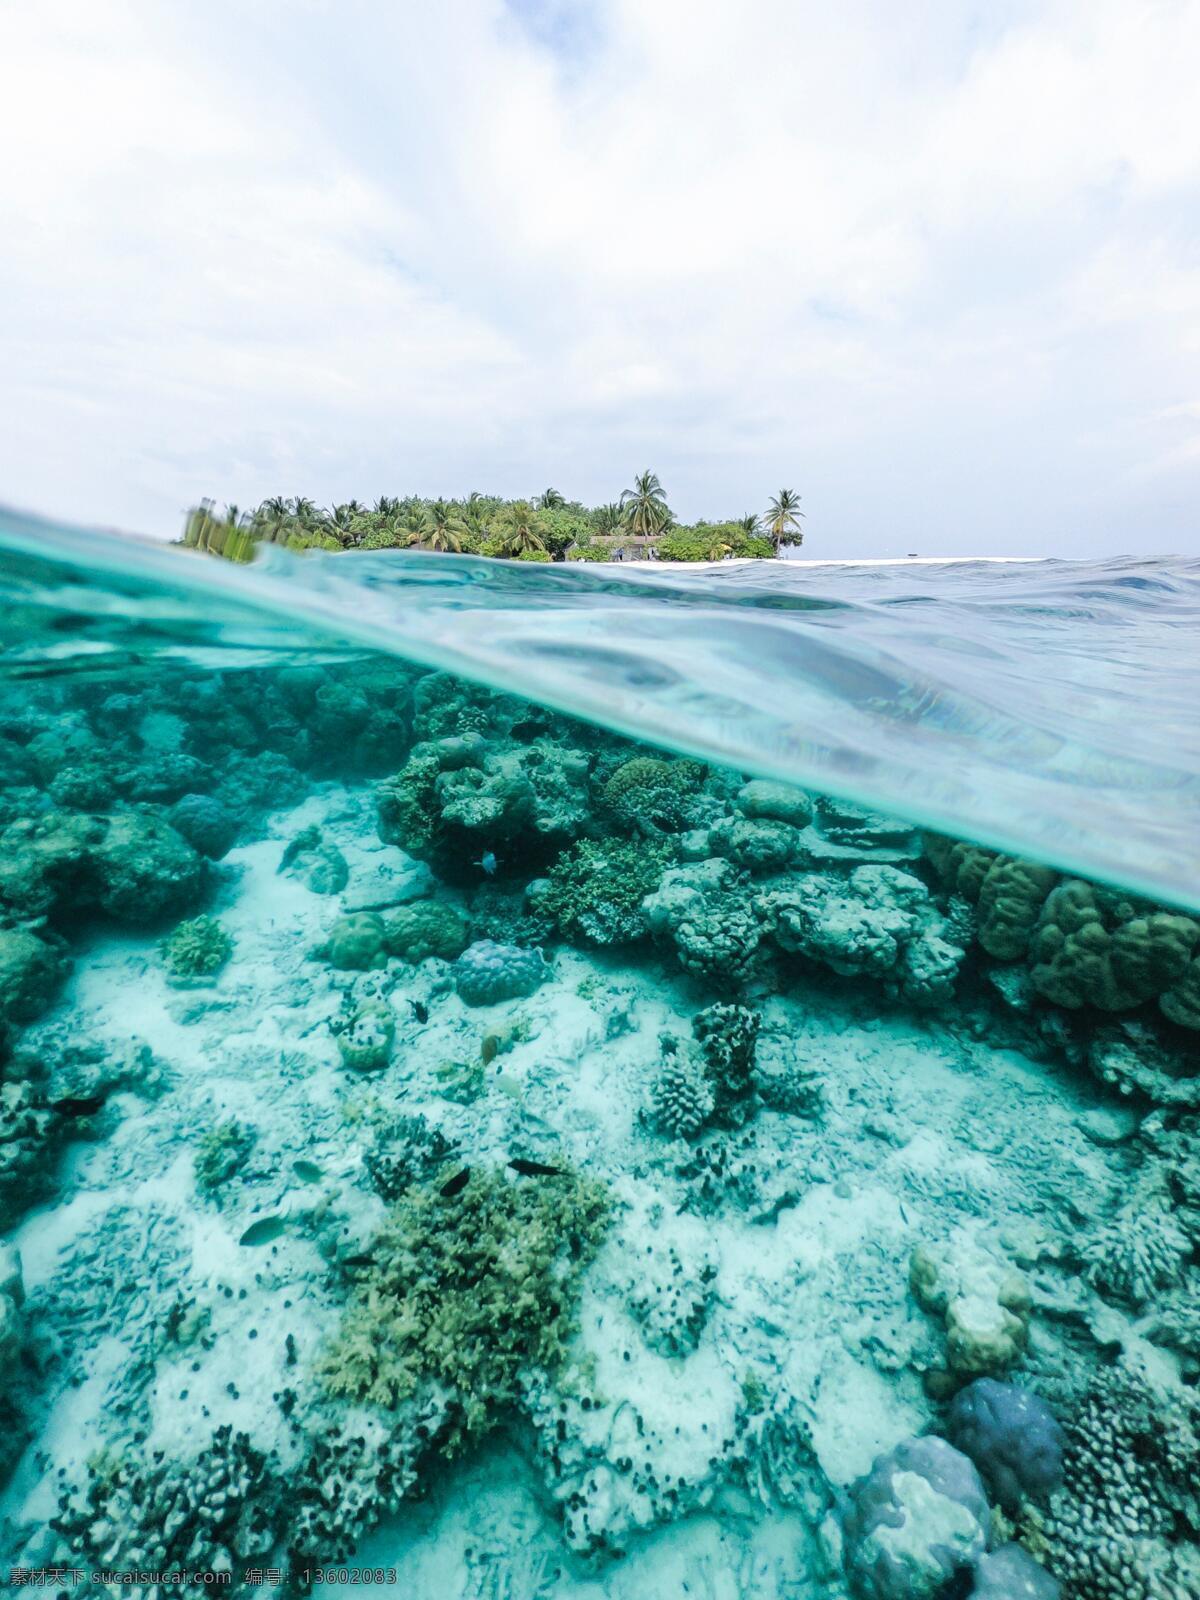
525	1085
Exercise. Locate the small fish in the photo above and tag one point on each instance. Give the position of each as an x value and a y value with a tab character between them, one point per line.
307	1171
488	862
78	1105
358	1261
456	1185
534	1169
420	1011
263	1231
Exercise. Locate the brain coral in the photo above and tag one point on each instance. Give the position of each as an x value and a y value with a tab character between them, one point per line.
487	972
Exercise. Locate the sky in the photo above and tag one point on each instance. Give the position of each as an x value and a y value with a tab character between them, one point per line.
936	267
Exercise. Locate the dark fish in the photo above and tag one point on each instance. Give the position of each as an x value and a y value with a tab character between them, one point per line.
78	1105
420	1010
457	1184
358	1261
307	1171
263	1231
534	1169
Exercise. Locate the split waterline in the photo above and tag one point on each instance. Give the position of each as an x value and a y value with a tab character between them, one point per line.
523	1081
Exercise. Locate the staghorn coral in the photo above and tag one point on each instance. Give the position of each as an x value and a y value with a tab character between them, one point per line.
196	949
682	1098
468	1291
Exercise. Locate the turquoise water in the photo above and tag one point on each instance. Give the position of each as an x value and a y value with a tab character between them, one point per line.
519	1081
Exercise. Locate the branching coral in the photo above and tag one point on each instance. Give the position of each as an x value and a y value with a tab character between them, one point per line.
682	1096
1129	1509
468	1291
197	949
594	891
220	1152
404	1151
1143	1249
212	1514
727	1036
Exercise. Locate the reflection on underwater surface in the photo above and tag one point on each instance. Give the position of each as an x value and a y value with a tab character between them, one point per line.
453	1139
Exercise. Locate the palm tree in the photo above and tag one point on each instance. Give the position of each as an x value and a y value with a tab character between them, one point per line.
518	529
609	519
716	548
415	525
388	507
551	500
475	513
748	525
445	530
645	505
273	519
782	519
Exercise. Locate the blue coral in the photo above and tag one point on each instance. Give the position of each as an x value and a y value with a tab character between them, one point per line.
487	972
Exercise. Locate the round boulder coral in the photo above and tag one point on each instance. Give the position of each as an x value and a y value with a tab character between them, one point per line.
426	928
486	972
918	1517
365	1037
205	823
356	943
1012	1437
1011	1573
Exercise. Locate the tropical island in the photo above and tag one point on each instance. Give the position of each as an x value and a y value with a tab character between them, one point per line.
639	526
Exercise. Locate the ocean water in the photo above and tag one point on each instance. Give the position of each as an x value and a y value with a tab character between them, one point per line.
521	1082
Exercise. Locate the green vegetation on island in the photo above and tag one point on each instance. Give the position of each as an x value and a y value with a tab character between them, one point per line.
640	525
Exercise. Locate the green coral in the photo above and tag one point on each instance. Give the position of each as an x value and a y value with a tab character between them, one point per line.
1011	897
219	1153
595	890
197	949
1092	948
469	1292
356	943
649	790
426	928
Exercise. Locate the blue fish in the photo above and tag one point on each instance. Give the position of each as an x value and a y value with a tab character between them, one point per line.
488	862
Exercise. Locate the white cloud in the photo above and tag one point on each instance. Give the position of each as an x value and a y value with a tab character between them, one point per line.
934	266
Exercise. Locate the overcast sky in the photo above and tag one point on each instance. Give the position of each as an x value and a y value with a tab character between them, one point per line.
934	265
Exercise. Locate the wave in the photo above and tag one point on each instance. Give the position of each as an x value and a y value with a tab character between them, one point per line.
1045	708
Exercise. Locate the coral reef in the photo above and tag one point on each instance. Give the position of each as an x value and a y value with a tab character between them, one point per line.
469	1287
594	891
682	1095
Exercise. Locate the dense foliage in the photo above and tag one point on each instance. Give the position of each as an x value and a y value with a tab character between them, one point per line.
549	528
